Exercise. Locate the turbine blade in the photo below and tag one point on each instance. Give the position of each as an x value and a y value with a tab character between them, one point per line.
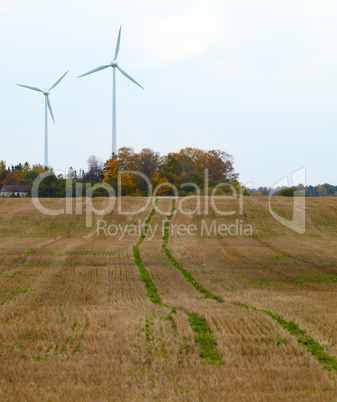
49	107
33	88
118	43
53	86
128	76
94	70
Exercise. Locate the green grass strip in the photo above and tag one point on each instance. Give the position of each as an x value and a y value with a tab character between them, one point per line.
204	339
152	291
328	362
203	335
173	261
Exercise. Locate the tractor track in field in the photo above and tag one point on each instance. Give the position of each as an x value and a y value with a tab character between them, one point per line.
203	335
312	346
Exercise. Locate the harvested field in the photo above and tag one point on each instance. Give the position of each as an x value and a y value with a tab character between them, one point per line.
162	314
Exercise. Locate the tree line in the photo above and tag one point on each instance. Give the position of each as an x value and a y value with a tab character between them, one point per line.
185	170
321	190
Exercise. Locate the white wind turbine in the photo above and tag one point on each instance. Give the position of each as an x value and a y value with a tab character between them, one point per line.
114	65
47	105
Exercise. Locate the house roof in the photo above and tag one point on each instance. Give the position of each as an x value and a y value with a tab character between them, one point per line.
12	188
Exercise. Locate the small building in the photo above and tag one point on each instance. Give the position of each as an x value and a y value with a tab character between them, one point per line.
13	190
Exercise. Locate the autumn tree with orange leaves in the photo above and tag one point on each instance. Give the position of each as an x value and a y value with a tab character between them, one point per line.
9	178
186	166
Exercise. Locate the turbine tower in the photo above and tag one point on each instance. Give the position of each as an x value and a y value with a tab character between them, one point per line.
47	105
114	65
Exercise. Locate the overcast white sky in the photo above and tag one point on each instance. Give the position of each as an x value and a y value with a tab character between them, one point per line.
255	78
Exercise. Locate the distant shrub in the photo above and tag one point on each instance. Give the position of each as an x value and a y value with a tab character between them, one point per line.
100	192
287	192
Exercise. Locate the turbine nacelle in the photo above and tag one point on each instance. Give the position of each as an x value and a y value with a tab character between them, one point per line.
114	63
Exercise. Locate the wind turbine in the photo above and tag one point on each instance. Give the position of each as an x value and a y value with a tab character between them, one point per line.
47	105
114	65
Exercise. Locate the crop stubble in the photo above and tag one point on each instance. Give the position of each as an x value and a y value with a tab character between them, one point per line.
77	323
